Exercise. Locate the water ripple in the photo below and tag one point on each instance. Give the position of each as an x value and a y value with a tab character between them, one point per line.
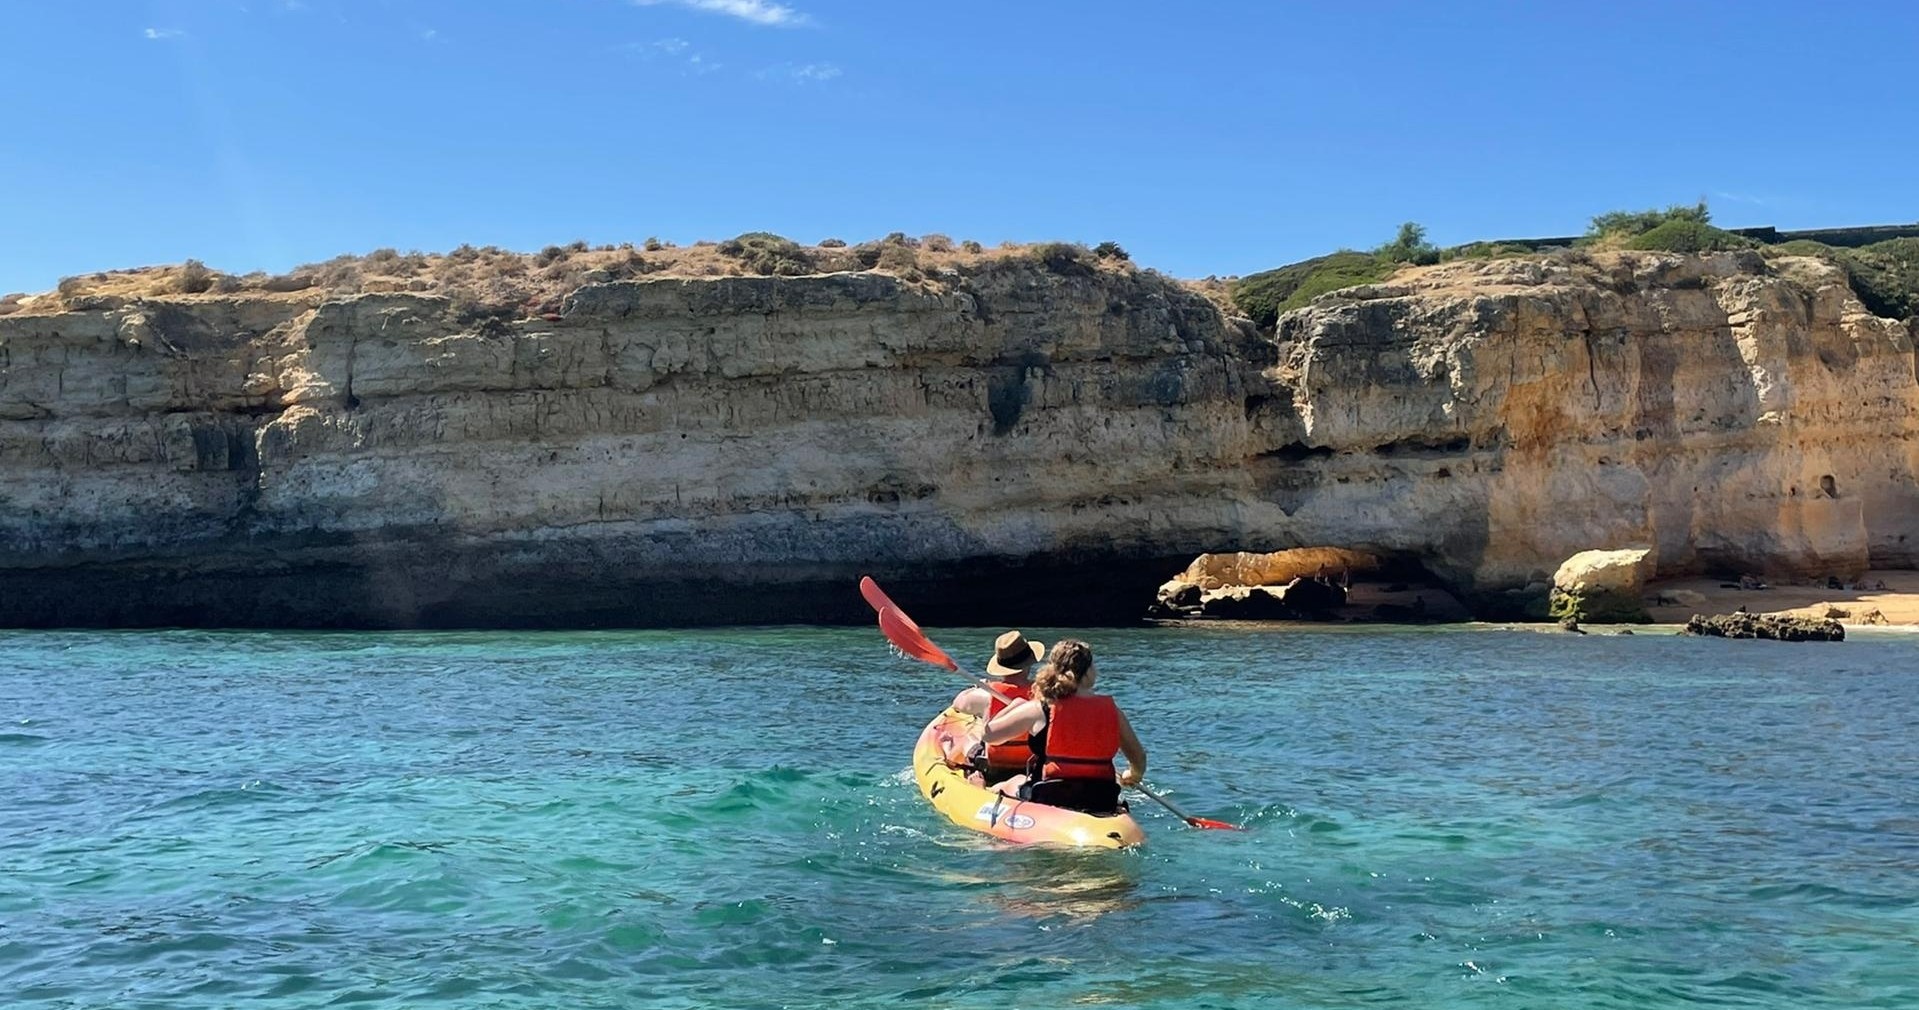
1437	819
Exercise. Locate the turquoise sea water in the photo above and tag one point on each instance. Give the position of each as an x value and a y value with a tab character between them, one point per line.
1438	819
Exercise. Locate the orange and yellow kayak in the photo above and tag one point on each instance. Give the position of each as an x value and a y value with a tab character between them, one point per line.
1010	818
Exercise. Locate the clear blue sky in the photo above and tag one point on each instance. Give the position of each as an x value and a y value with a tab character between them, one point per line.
1205	137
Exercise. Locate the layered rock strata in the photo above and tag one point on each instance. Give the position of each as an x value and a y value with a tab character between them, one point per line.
1017	443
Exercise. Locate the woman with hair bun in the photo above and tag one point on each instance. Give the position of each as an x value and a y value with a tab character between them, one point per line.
1074	733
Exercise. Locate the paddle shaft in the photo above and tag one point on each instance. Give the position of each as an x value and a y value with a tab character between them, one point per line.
1168	804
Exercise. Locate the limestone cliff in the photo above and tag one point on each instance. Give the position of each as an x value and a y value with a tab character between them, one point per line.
1036	442
1495	418
658	451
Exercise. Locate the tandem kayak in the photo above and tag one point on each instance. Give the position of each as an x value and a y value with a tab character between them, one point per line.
1007	817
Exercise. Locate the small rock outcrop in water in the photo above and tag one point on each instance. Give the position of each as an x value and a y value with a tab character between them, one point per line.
1603	587
1784	629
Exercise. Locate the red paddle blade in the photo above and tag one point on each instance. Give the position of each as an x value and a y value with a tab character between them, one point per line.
908	638
1212	825
877	600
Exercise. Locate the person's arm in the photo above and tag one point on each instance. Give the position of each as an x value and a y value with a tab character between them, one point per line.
972	701
1130	746
1018	720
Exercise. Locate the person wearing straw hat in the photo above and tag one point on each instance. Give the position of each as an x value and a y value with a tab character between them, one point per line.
1013	659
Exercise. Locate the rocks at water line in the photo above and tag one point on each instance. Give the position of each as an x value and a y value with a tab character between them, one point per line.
1783	629
1245	603
1603	587
1299	599
1177	595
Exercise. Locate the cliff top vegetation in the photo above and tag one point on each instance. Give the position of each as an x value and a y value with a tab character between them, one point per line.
1884	275
535	282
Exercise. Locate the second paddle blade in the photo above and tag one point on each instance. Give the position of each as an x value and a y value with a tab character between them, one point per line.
874	597
908	638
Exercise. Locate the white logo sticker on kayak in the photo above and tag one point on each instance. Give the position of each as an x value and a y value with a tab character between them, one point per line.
990	813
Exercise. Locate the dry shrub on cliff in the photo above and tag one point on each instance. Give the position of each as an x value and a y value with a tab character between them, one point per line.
897	259
341	273
194	278
768	254
1061	257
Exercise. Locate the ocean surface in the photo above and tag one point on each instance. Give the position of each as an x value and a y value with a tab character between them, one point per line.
1437	819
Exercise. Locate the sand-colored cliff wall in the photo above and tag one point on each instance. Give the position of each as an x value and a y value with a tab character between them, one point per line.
1026	439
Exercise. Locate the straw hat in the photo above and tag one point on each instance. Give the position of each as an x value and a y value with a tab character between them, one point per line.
1013	654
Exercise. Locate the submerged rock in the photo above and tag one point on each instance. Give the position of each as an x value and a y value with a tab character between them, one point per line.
1784	629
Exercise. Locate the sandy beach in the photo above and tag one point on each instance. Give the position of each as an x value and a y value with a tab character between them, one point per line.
1896	604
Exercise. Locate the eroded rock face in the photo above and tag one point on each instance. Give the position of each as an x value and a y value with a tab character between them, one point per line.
1017	444
668	451
1494	418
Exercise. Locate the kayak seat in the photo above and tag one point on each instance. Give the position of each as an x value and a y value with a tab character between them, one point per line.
1089	796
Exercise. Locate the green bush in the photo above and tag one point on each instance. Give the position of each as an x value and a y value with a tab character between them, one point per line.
832	243
1409	246
1687	236
1800	247
1111	251
1261	297
972	247
1627	223
1885	275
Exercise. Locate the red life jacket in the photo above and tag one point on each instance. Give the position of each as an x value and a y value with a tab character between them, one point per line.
1013	754
1080	739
